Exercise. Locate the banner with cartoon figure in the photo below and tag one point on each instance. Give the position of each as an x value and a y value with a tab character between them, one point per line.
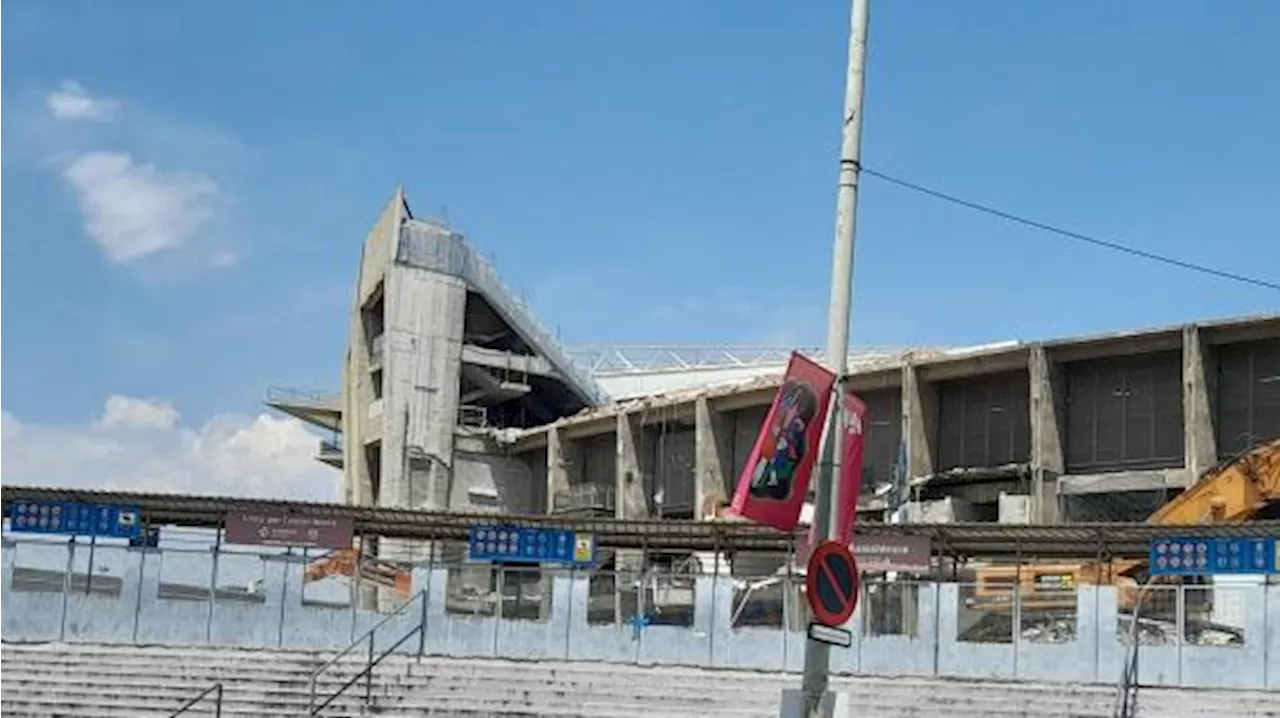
853	422
775	478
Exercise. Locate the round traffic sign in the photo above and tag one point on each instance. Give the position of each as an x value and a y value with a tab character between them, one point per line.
831	583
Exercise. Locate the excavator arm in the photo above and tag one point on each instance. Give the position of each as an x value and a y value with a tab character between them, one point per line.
1229	493
1232	492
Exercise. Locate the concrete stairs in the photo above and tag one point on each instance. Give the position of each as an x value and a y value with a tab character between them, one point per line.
91	681
439	687
96	681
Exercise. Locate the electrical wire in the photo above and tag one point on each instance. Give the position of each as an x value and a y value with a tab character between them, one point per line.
1016	219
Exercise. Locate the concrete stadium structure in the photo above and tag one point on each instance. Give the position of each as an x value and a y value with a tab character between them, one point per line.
454	396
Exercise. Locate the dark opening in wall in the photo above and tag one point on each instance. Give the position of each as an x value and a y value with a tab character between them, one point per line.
1124	413
1248	395
883	434
373	462
372	315
667	458
984	420
1128	506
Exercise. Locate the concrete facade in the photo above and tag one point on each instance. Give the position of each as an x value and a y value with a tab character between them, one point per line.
279	614
1097	428
440	354
440	351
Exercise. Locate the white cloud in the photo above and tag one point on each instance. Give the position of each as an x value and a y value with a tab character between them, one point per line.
142	445
123	412
133	210
71	101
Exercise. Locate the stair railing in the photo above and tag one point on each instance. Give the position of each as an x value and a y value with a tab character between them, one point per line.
367	640
1126	705
215	689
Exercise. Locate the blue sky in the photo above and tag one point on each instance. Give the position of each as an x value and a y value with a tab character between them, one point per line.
642	172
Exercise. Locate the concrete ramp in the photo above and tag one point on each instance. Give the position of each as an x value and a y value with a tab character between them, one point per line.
430	246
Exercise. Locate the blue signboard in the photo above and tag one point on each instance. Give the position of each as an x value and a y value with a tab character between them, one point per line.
1189	556
76	519
501	543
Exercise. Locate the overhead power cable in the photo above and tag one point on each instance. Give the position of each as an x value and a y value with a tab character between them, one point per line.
1116	246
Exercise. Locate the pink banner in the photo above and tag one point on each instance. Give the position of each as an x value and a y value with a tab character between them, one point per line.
855	417
775	479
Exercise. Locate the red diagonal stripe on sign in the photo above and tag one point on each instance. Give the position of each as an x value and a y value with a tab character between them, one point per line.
835	583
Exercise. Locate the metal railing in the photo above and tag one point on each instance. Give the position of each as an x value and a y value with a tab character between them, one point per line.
291	394
1126	705
215	689
613	360
597	497
371	661
473	416
1127	692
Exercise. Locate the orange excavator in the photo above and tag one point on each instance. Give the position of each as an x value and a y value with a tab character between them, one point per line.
1233	492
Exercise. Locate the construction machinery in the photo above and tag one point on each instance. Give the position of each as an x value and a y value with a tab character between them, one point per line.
1235	491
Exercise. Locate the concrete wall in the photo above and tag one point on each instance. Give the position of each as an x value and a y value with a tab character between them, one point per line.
421	368
401	393
492	482
357	386
281	617
745	425
1011	406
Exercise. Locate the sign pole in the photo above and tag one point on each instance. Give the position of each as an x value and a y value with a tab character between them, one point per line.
817	654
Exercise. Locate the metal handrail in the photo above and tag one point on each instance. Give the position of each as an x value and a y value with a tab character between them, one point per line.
372	661
367	672
217	705
1127	689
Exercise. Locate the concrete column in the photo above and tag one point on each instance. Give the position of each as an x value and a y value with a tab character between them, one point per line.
1199	398
422	366
919	422
629	502
712	459
1048	407
557	471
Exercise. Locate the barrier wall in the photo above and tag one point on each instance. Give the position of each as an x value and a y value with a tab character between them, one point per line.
150	596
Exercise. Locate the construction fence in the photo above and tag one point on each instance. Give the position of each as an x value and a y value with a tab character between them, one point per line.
1218	635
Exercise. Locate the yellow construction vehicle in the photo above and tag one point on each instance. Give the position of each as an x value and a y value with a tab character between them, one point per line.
1232	492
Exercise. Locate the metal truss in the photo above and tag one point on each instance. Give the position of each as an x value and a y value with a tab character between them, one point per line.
286	395
614	360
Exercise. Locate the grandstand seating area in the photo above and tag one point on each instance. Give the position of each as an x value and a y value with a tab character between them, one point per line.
96	681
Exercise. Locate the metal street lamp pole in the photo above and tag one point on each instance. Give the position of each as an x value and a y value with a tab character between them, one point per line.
817	654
